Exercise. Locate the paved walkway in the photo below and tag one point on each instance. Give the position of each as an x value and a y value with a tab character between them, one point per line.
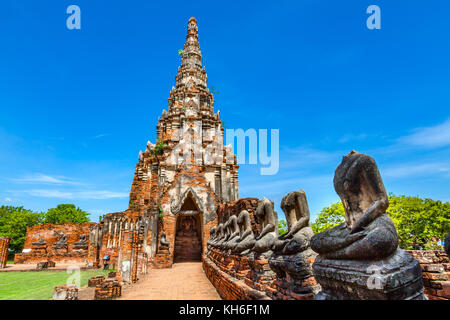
184	281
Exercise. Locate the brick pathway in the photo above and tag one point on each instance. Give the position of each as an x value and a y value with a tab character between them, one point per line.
184	281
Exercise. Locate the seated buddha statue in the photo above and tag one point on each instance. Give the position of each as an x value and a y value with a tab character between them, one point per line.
246	239
219	235
295	207
233	230
225	235
360	259
368	232
266	217
212	236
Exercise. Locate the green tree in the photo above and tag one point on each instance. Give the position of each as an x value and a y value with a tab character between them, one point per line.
282	227
66	213
420	223
14	222
329	217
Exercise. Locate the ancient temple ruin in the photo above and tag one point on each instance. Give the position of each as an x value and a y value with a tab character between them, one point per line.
184	206
178	184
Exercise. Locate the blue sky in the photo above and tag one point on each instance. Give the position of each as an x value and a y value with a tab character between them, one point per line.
76	106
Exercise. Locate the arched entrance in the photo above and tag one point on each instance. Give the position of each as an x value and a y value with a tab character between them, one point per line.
188	233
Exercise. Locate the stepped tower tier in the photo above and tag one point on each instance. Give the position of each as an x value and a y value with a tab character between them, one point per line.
188	171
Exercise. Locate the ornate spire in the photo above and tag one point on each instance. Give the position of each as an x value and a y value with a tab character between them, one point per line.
192	55
190	93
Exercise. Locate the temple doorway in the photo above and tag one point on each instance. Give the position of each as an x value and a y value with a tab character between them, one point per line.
188	241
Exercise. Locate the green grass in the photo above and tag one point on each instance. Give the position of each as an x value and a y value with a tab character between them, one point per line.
10	262
38	285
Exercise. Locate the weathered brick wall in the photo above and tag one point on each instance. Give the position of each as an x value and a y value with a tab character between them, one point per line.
228	287
47	232
435	271
4	245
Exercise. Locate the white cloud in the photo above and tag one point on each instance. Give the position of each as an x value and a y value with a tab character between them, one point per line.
352	137
8	200
304	156
417	169
45	179
96	195
429	137
280	185
101	135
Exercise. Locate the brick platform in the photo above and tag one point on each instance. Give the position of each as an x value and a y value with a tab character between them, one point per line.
435	266
229	287
65	293
107	290
95	281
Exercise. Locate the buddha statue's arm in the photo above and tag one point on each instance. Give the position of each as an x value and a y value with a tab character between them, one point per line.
325	242
268	228
234	234
300	224
246	234
377	207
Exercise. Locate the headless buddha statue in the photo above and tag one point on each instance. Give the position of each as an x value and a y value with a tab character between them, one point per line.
219	235
368	232
233	230
246	239
266	217
295	207
212	236
224	238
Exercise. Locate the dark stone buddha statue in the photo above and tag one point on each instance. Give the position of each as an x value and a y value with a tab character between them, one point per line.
360	258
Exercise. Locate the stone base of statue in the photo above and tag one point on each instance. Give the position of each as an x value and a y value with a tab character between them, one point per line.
398	277
162	259
295	279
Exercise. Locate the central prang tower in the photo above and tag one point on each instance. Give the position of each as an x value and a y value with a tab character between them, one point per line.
188	172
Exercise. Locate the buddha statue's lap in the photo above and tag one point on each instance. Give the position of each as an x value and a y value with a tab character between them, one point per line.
299	242
377	240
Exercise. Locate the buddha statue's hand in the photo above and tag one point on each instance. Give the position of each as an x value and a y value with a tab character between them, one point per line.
285	236
357	227
353	237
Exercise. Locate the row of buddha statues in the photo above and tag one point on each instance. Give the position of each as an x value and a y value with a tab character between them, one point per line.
358	259
237	237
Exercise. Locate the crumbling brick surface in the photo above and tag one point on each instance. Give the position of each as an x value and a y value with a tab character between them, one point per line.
48	234
4	246
65	293
230	288
107	290
95	281
435	266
